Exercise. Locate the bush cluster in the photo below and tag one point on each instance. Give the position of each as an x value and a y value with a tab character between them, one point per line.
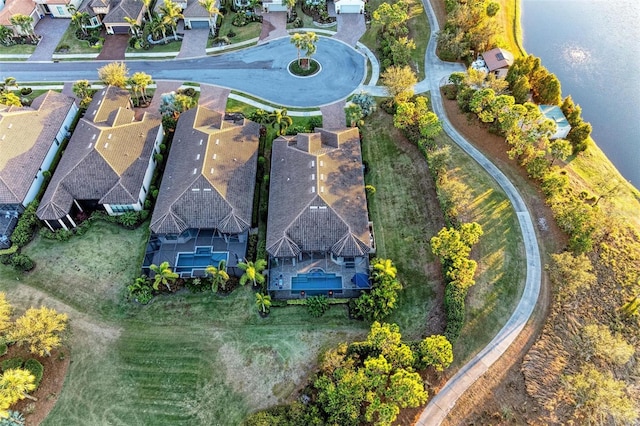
36	368
317	305
11	363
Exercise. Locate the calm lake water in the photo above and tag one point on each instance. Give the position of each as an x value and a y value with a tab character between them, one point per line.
593	47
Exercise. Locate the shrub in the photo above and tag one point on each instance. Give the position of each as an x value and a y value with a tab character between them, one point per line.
317	305
22	262
37	369
315	121
129	219
10	363
189	91
26	91
27	225
252	247
3	349
140	290
14	418
198	285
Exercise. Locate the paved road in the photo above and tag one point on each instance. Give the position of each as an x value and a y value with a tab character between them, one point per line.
440	406
260	71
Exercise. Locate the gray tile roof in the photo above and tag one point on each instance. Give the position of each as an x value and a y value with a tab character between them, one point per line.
317	200
26	136
107	156
121	9
210	175
195	10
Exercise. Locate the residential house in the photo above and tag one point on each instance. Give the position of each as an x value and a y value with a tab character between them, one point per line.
349	6
498	61
108	163
14	7
204	208
30	137
554	113
196	16
318	232
57	8
112	14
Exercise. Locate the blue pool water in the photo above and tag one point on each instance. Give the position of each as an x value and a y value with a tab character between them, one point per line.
316	283
203	257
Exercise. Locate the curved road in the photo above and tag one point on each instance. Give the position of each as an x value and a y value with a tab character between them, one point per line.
260	71
440	406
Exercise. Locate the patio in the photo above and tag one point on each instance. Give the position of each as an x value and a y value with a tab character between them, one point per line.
281	274
158	252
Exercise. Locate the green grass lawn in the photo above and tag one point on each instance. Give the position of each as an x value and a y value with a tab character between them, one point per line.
17	49
307	21
183	359
247	32
404	223
171	47
76	46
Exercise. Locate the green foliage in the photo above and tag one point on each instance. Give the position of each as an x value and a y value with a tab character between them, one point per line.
27	225
22	262
163	275
129	219
3	349
140	290
114	74
366	102
11	363
36	368
596	340
317	305
263	302
382	299
599	398
435	351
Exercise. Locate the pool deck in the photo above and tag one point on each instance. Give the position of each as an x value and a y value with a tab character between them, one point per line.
288	270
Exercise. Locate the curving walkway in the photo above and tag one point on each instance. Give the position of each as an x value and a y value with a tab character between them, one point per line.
440	406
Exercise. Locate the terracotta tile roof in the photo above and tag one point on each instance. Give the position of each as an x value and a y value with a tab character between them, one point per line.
105	160
497	58
317	200
14	7
210	175
26	136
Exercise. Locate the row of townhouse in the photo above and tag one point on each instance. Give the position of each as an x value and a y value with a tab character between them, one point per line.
318	236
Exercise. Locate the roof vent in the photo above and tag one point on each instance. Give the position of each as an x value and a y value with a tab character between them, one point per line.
214	156
195	170
94	137
217	141
10	125
195	189
200	141
211	170
106	145
109	137
313	163
197	157
313	176
313	189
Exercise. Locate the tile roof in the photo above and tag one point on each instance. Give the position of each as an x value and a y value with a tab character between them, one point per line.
107	156
14	7
209	178
26	136
121	9
195	10
497	58
317	200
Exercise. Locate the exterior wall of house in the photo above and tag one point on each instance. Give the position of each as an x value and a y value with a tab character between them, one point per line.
349	6
55	146
275	6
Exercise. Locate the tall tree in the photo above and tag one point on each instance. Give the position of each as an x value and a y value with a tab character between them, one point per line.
6	35
9	83
280	120
163	275
384	267
80	20
252	272
212	10
219	276
40	328
82	89
297	39
114	74
436	351
263	302
171	14
310	40
24	24
139	82
399	82
391	17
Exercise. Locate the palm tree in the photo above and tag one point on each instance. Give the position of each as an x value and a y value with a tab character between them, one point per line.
219	276
252	272
210	7
80	20
8	82
139	82
170	15
280	120
147	5
263	302
24	23
135	27
384	267
310	39
164	275
297	39
157	27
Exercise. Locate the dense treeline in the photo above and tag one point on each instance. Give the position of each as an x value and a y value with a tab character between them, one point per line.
585	363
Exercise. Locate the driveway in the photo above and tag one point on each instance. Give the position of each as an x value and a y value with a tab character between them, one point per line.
274	26
51	30
350	28
194	43
115	45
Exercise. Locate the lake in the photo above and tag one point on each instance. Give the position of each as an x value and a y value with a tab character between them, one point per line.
593	47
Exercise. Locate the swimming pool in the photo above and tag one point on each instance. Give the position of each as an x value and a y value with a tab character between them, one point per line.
316	283
187	262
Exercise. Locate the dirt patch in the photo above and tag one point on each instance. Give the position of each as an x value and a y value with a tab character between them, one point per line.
499	397
55	370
